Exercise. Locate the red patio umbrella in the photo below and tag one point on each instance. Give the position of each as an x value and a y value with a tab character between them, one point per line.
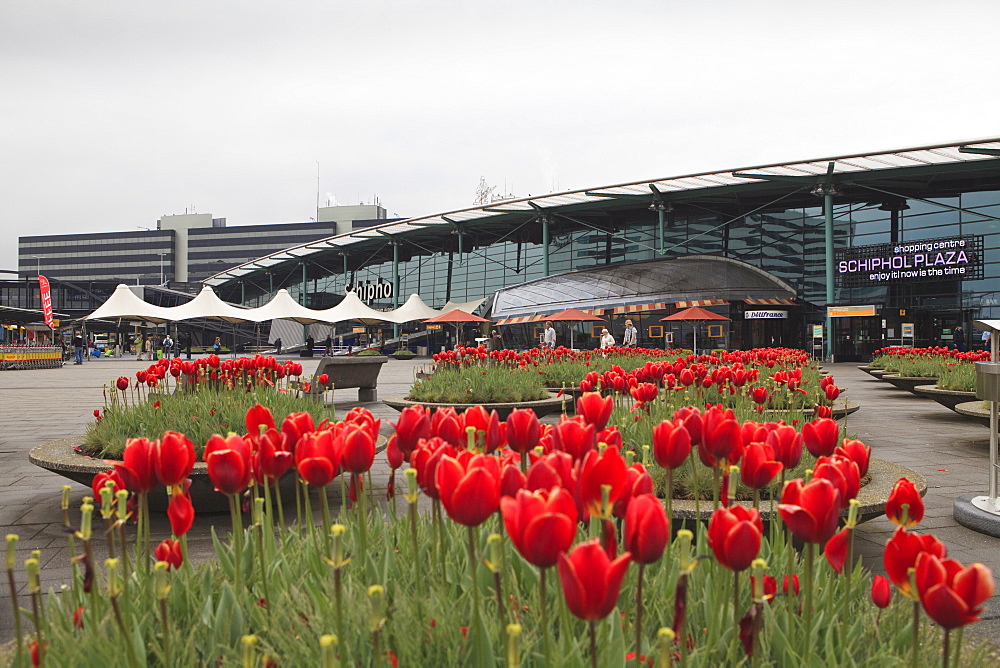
694	315
574	315
457	317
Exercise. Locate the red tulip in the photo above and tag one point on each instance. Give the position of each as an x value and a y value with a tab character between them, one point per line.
843	473
671	444
721	444
647	529
644	392
610	436
541	524
293	426
259	419
734	535
229	466
835	549
811	510
790	585
414	424
857	452
180	512
138	467
690	418
759	467
821	436
317	457
952	595
487	426
596	470
760	395
358	453
881	592
449	425
591	580
170	552
393	454
512	480
78	617
574	436
523	430
903	493
324	380
122	383
787	444
101	479
425	459
637	482
832	392
469	487
595	409
273	455
553	470
901	552
174	458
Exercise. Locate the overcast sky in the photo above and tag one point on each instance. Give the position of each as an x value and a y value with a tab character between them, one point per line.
115	112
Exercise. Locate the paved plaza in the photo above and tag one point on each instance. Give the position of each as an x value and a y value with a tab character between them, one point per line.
38	406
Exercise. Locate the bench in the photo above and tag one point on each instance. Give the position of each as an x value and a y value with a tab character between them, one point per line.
350	372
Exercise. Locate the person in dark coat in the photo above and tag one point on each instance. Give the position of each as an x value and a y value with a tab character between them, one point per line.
959	339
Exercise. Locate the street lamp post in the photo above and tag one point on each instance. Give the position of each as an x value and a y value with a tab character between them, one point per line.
161	267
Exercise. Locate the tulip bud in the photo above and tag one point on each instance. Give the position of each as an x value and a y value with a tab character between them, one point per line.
114	582
495	545
665	641
470	438
248	642
376	601
808	476
629	457
65	497
258	510
734	473
645	455
411	485
338	531
31	565
758	566
852	513
328	646
11	547
606	506
106	493
87	515
514	645
121	509
684	538
539	450
162	585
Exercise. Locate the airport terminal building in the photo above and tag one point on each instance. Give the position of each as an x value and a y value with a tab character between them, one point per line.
882	248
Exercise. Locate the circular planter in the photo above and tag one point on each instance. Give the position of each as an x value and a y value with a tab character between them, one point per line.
878	373
867	369
839	411
61	457
974	410
947	398
541	407
908	383
872	496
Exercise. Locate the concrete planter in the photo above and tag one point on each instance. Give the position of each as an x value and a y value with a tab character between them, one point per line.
872	496
974	410
840	411
61	457
541	407
908	383
947	398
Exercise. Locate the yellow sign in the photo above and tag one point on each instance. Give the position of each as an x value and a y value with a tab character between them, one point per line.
817	331
849	311
433	326
358	330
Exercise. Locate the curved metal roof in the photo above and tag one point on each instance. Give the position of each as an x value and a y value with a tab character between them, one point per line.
676	188
687	278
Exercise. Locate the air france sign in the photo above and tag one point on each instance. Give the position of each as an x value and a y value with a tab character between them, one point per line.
764	314
929	259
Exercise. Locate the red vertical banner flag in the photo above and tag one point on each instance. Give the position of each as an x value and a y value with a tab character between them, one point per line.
43	289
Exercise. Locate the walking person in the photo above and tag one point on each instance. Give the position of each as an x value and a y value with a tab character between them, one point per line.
327	345
168	346
607	341
959	339
277	346
631	337
549	335
150	347
79	345
986	340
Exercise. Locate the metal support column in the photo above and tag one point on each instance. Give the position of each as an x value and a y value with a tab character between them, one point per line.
302	300
828	228
243	293
395	282
545	245
661	214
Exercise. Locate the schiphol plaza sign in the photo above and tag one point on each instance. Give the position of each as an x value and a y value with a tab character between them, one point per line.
959	257
369	292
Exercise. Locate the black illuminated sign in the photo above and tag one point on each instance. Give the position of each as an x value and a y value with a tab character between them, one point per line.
928	259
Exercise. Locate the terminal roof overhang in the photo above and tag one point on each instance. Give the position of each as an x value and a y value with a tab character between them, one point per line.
863	177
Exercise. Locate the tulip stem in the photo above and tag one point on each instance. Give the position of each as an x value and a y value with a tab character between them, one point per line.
736	601
326	519
638	615
362	513
234	512
17	616
810	549
915	658
165	621
694	487
544	611
281	508
947	646
593	644
473	590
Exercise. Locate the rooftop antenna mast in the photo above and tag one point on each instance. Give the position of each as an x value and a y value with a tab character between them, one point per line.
317	191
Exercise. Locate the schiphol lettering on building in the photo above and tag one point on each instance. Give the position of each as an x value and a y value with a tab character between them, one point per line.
371	291
956	257
764	314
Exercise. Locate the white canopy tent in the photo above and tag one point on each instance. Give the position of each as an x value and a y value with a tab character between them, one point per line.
124	303
352	308
468	307
414	309
282	307
208	306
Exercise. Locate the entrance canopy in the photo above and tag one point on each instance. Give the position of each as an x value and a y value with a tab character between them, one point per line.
690	278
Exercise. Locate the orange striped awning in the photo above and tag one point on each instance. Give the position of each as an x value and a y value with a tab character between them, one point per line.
594	311
521	320
700	302
775	301
656	306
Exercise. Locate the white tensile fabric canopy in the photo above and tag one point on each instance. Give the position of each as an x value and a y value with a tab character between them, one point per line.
124	303
208	306
283	307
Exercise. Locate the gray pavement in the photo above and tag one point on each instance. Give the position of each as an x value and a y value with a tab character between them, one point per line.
950	451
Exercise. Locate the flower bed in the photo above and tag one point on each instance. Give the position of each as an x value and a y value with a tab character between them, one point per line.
530	564
932	362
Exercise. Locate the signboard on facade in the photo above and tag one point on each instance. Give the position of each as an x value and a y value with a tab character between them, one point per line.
368	292
849	311
959	257
817	331
764	314
907	330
